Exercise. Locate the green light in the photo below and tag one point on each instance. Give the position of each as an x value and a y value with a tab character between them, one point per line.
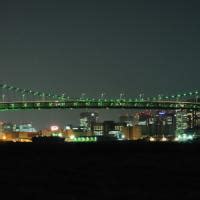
10	88
84	139
59	134
4	86
190	137
87	104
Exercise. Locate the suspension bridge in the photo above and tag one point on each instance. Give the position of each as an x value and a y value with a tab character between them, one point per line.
14	98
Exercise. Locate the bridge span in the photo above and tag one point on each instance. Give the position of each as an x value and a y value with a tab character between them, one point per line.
99	104
14	98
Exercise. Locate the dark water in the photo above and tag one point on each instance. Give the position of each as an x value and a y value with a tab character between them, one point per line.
100	171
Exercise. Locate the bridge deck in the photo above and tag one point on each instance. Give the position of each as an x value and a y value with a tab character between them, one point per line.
113	104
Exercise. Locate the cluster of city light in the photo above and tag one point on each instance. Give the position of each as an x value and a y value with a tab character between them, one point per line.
179	138
84	139
57	134
153	139
184	137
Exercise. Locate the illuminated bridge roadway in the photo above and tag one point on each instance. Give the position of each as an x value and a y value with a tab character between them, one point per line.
14	98
99	104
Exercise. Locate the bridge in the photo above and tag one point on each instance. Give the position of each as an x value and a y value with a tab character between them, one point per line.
13	98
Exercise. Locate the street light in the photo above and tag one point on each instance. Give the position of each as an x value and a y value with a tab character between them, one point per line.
159	97
23	97
63	96
83	95
121	95
3	97
43	96
196	96
102	95
141	96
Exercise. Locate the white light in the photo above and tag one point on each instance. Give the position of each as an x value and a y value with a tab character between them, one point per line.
123	136
164	139
184	136
59	134
176	138
67	128
71	137
54	128
190	137
152	139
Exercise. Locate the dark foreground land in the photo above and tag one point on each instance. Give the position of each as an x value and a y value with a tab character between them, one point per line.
100	171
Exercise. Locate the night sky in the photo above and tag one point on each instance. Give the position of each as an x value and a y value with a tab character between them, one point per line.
91	47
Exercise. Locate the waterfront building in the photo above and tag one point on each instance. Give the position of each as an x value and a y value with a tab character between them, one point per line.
87	119
181	122
108	128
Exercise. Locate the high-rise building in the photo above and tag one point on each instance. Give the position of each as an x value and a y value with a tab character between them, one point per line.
128	119
157	123
8	127
87	119
108	127
25	128
132	132
181	122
